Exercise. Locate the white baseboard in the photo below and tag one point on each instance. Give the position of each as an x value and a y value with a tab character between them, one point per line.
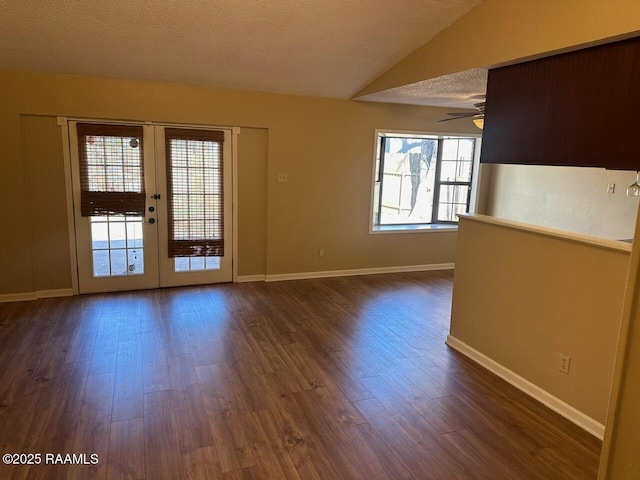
250	278
17	297
358	271
570	413
29	296
59	292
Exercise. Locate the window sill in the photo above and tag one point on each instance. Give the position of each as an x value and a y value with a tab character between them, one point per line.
435	227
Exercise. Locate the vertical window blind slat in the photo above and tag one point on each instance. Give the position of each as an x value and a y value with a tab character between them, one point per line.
195	192
111	169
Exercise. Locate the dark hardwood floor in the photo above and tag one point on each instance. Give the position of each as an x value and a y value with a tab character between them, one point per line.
345	378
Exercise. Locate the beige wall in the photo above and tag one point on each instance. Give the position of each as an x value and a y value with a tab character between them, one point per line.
505	31
44	175
325	146
253	146
568	198
522	299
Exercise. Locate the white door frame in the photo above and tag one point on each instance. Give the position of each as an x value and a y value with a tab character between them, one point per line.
168	277
87	281
64	128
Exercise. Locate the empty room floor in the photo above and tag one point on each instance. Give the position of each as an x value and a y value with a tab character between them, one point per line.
343	378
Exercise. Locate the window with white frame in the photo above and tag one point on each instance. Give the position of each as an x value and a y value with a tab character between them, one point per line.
422	179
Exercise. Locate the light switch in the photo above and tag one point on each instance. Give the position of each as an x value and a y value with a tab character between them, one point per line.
611	187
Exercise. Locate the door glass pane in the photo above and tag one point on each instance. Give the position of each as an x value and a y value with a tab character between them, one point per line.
117	245
181	264
195	196
118	262
135	261
117	234
195	264
212	263
101	266
111	169
99	235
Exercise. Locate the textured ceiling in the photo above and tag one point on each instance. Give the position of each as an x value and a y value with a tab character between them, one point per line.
458	90
326	48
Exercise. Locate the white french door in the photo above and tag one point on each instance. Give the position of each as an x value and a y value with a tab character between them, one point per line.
152	205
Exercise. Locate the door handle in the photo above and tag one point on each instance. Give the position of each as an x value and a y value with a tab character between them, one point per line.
152	220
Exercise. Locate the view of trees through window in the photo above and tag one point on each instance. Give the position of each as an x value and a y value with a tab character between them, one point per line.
422	180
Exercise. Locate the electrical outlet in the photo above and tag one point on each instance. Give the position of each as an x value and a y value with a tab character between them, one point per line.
611	188
565	363
282	177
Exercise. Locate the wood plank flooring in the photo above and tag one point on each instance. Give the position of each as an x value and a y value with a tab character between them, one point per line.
345	378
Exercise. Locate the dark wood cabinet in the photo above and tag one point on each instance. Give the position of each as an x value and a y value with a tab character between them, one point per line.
575	109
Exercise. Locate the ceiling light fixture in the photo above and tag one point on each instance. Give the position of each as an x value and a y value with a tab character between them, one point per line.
634	188
477	117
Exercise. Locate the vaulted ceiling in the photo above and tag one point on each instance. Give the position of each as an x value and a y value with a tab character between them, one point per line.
424	52
325	48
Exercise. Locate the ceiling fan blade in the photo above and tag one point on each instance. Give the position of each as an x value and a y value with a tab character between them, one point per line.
452	118
462	114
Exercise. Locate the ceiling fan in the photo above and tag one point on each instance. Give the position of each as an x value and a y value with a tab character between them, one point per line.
478	117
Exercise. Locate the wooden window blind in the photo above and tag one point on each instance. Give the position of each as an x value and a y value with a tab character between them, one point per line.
195	191
111	170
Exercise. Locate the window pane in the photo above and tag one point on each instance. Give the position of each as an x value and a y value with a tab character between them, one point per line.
181	264
407	181
99	236
457	160
111	169
196	195
404	190
180	207
194	155
453	200
465	150
194	264
212	155
113	163
118	262
117	244
179	148
101	263
134	233
452	171
135	261
117	234
196	179
181	230
212	263
197	263
450	149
